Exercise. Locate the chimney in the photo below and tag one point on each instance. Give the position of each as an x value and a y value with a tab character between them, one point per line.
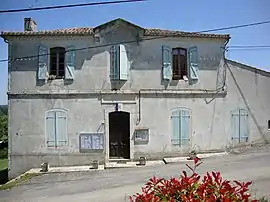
30	25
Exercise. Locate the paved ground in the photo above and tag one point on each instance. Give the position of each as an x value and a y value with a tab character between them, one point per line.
116	184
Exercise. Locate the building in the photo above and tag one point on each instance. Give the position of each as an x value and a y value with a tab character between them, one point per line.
120	91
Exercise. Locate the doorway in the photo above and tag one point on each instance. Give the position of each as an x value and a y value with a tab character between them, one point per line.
119	135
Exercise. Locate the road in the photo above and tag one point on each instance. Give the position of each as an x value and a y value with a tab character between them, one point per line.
117	184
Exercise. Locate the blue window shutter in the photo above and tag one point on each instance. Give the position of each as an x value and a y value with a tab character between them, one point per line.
115	62
176	128
70	62
43	60
166	62
124	63
244	126
235	125
50	129
193	63
185	126
61	128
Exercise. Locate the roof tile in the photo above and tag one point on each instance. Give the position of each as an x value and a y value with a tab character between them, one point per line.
90	31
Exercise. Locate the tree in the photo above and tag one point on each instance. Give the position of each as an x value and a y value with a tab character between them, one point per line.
3	127
3	110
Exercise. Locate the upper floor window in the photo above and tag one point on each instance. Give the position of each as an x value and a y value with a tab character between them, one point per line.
120	63
57	62
180	63
179	56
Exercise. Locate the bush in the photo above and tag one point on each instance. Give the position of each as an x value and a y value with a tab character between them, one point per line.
212	188
4	153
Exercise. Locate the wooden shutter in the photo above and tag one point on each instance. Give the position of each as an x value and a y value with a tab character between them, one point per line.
50	129
235	125
181	127
124	63
193	63
166	62
176	128
43	60
61	128
185	126
115	62
70	62
244	126
240	125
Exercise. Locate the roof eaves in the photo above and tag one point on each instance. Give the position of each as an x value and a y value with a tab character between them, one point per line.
248	67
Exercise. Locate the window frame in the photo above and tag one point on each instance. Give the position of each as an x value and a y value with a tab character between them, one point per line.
58	52
55	146
180	69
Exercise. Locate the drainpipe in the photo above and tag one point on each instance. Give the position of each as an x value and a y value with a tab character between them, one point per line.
225	64
139	118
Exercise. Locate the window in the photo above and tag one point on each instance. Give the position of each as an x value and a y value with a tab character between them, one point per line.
179	60
57	62
120	64
268	124
240	125
180	63
56	128
180	127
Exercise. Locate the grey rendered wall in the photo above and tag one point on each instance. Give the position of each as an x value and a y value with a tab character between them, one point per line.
92	65
86	113
249	88
211	118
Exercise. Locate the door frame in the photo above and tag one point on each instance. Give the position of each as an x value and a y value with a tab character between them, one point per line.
107	110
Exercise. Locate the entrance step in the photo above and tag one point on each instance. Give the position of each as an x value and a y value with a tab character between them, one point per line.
120	161
120	165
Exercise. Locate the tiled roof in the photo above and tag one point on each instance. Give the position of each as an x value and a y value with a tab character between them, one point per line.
89	31
161	32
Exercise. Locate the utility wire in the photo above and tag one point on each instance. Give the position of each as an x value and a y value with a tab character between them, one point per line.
132	41
69	6
237	26
253	46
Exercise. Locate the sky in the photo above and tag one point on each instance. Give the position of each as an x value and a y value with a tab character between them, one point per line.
196	15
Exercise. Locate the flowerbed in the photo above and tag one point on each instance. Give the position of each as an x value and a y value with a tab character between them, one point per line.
211	188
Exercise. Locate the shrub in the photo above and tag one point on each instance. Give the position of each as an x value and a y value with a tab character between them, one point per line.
3	153
211	188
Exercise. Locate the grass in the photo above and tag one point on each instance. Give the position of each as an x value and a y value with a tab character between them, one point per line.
3	164
19	181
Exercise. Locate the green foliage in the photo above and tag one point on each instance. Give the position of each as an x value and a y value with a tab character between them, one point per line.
3	127
3	164
3	110
4	153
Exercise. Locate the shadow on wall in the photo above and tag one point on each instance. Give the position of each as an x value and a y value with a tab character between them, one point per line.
248	107
4	176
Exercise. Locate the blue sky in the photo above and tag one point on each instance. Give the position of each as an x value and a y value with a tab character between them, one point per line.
196	15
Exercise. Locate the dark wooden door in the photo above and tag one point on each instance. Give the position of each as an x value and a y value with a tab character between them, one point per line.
119	135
